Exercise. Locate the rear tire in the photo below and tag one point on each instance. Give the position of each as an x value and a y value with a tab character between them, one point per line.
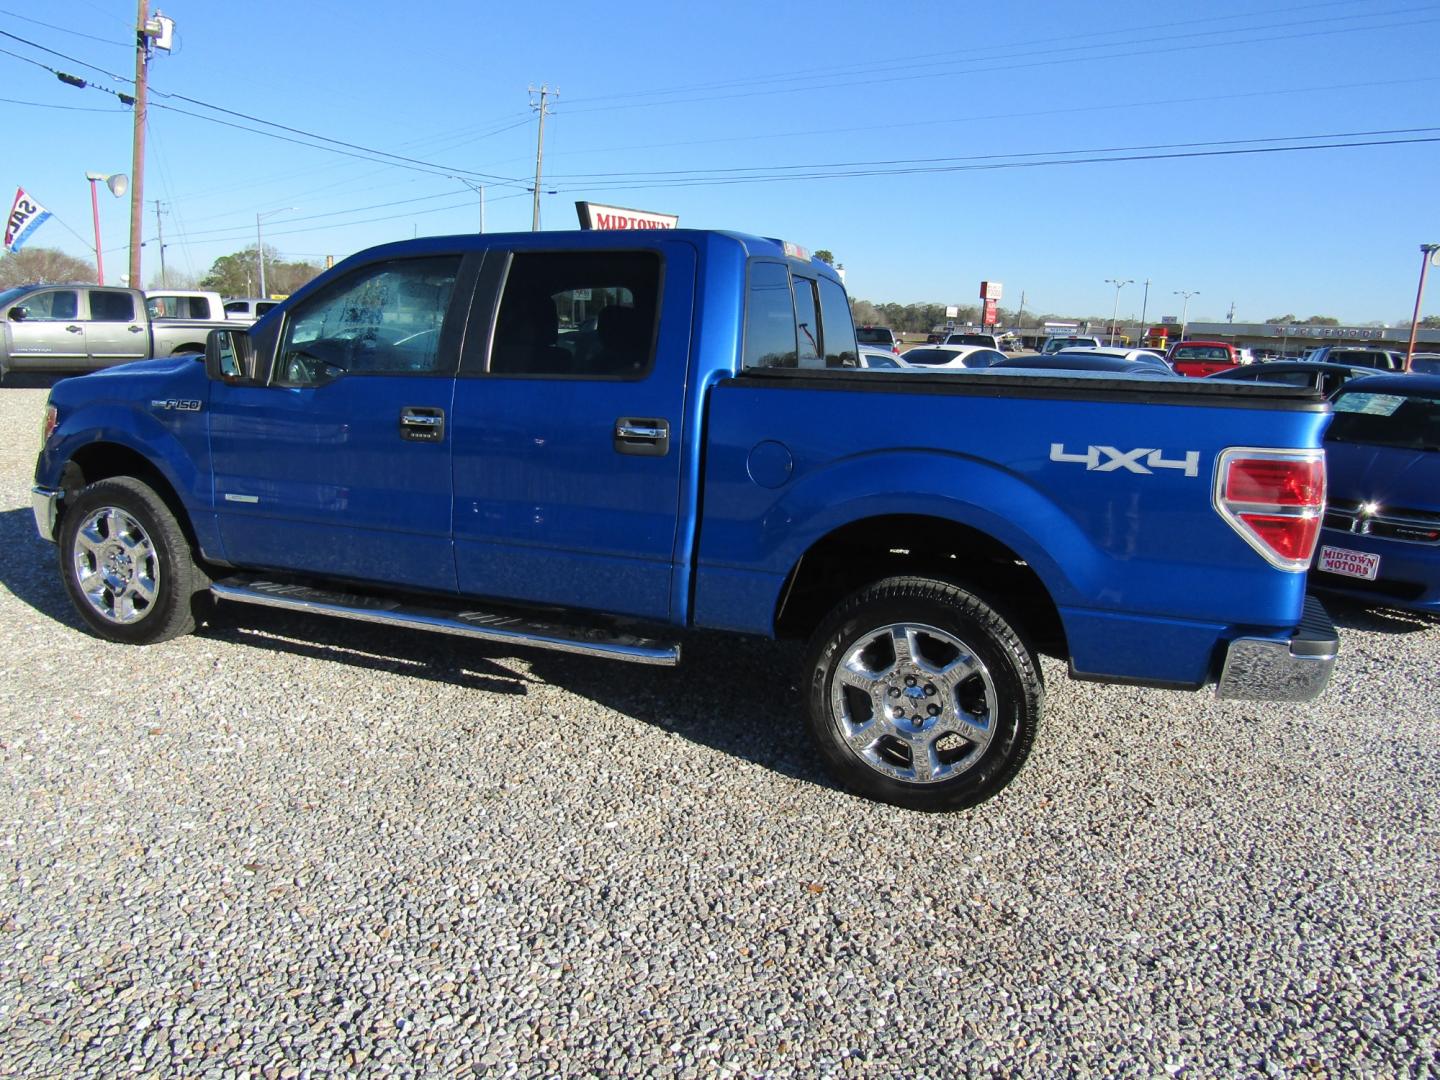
127	565
921	694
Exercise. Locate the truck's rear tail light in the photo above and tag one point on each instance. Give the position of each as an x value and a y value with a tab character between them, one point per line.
1275	500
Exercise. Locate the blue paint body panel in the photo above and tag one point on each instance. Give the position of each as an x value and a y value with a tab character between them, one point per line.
528	499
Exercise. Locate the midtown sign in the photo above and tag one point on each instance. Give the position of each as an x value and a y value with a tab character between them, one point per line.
599	216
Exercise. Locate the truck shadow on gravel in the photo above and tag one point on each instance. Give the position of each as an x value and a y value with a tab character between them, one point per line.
731	694
28	569
1375	618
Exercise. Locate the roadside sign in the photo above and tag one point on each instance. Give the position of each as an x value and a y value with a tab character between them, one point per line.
990	290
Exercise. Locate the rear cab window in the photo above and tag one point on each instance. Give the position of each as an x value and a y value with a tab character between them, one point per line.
797	320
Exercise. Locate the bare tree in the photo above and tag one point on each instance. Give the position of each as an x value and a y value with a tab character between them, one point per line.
39	266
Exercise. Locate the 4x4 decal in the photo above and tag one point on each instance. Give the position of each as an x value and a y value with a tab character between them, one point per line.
1129	460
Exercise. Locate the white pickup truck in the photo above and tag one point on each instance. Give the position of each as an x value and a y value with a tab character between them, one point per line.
176	304
83	327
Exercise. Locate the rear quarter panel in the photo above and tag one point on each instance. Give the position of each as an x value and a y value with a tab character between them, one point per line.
1111	544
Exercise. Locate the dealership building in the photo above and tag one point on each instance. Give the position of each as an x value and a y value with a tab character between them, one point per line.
1297	337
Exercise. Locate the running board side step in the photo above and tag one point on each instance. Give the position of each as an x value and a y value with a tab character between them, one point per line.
609	642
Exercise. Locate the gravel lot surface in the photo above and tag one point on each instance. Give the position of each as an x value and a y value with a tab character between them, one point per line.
300	847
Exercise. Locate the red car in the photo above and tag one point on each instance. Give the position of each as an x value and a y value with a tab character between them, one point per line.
1200	358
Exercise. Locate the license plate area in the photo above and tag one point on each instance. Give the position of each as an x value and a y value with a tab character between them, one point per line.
1348	563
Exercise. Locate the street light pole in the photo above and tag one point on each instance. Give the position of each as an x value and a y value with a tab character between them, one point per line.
117	183
1119	284
260	244
1185	309
479	189
1428	253
1144	307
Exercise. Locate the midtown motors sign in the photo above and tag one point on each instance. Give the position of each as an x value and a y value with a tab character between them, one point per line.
599	216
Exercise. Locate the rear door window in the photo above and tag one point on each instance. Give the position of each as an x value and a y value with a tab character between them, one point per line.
579	314
107	305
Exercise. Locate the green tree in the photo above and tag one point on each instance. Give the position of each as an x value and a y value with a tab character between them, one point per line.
1431	322
42	266
1281	319
1321	320
826	256
238	274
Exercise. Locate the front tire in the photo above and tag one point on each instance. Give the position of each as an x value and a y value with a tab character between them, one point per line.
127	564
921	694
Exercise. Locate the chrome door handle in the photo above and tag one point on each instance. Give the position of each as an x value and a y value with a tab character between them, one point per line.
74	329
635	431
137	329
422	423
642	436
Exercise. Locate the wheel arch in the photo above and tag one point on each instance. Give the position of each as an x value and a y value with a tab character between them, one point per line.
106	460
868	549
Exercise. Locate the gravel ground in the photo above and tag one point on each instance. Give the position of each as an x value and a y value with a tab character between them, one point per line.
299	847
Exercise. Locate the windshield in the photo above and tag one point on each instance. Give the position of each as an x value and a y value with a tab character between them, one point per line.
868	335
1407	421
987	340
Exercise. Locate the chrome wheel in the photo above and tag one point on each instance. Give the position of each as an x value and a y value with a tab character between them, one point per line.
914	703
116	566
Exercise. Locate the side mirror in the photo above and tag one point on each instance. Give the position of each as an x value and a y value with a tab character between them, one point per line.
230	356
17	314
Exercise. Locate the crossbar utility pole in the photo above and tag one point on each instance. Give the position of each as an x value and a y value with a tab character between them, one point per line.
544	92
160	240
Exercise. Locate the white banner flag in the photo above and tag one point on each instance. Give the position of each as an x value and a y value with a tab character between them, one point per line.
26	215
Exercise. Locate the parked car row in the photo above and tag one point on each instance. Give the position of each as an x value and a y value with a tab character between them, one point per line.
1380	539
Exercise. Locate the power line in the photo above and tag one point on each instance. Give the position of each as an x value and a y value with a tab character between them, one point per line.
1066	40
639	184
870	163
43	105
937	122
66	30
373	153
1089	57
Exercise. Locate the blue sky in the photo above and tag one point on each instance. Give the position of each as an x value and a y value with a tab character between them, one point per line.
965	124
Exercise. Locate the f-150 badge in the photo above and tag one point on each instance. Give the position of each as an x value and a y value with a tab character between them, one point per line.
1143	461
176	403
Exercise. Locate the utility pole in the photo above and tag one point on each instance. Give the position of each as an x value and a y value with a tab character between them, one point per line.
1144	307
1230	318
1020	315
160	239
137	149
157	33
544	92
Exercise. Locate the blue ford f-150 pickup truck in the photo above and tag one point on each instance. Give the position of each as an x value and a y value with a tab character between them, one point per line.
593	441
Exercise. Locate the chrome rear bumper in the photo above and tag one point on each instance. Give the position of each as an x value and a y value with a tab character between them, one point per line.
1264	669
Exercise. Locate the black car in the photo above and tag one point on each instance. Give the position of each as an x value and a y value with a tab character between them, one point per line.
1324	377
